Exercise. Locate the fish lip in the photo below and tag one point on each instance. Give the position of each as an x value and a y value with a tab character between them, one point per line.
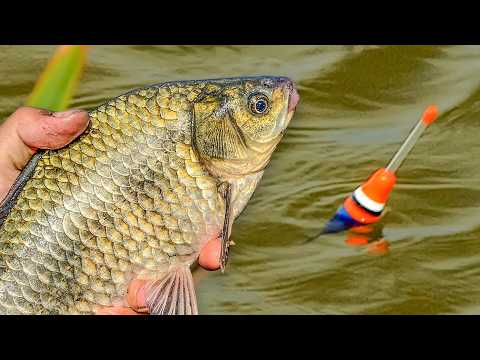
293	99
293	96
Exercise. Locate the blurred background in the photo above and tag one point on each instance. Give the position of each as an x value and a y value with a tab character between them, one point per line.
357	105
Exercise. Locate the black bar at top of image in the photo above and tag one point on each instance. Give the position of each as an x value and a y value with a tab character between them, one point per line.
243	23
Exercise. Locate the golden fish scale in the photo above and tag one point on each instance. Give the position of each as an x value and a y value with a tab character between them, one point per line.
128	196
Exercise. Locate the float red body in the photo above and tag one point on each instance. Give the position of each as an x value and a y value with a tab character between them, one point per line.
367	202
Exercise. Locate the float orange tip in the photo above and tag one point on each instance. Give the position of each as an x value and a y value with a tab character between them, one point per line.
430	115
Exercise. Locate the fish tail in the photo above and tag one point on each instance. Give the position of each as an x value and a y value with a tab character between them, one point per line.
173	294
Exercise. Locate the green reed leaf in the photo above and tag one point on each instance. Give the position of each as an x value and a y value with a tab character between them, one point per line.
55	87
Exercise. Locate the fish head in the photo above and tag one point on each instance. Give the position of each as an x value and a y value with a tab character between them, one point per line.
262	108
239	122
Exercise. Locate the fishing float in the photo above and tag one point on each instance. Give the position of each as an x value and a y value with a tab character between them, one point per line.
366	204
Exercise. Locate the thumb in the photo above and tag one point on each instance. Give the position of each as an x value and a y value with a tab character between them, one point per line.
29	129
209	258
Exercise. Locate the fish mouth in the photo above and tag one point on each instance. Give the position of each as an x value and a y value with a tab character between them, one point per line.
291	90
293	99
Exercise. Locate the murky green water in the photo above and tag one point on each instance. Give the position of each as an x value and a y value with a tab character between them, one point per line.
357	105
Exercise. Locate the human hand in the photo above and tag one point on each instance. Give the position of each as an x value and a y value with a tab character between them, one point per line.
29	129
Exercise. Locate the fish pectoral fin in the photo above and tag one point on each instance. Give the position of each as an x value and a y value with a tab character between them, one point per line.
227	226
173	294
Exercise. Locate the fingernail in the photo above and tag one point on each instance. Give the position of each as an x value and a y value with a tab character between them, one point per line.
66	113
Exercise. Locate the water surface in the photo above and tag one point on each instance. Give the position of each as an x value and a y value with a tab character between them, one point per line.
357	105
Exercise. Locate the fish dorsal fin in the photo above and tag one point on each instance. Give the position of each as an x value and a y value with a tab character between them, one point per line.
172	294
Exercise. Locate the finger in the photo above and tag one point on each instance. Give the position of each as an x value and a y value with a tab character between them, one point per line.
29	129
42	129
209	258
136	295
116	310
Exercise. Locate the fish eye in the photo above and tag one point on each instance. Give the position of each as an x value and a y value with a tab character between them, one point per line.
258	104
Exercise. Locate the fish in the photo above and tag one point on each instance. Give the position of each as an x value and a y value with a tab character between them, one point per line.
158	172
